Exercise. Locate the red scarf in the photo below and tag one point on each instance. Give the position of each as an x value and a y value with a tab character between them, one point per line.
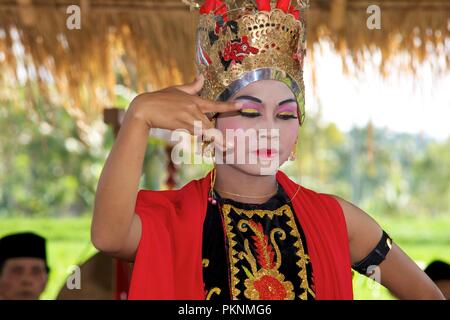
168	262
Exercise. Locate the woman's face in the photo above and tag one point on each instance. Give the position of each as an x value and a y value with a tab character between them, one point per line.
264	131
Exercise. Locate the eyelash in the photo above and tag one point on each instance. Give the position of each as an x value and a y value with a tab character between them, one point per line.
286	115
251	114
281	115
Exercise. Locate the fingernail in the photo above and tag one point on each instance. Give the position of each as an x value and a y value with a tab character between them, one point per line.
239	105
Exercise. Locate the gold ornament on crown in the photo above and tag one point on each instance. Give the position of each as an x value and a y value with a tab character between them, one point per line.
240	42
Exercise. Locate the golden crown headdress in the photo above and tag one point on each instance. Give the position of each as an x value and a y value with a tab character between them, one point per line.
243	41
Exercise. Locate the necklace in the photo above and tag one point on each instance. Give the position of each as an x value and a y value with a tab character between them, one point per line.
298	189
250	197
212	197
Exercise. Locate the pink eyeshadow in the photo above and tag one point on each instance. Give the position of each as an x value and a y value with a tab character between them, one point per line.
288	107
251	105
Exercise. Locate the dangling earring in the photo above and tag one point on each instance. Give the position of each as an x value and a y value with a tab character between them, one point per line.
293	155
212	196
208	143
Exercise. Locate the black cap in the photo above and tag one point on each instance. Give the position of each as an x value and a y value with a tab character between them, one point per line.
22	245
438	270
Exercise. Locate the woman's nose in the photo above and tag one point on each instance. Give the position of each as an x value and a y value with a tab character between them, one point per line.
270	125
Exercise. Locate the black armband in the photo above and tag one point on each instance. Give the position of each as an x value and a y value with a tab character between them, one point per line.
376	256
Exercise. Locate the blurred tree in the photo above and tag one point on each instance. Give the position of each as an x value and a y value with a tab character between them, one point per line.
46	169
431	180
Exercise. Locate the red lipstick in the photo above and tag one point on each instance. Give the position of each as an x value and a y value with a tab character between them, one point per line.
266	153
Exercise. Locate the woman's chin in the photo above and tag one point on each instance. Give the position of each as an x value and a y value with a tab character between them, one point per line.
262	168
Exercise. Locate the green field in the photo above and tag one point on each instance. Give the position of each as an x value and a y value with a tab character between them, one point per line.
424	239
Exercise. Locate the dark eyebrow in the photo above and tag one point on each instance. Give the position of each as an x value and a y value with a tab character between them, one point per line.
286	101
248	98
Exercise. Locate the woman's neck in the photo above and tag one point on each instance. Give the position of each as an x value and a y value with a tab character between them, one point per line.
231	182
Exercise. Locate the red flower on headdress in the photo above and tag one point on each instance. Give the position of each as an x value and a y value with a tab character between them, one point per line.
209	5
218	7
236	51
263	5
295	12
283	5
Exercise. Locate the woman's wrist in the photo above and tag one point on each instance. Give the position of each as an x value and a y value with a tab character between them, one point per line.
138	112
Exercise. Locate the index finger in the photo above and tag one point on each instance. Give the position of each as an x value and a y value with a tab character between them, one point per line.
218	106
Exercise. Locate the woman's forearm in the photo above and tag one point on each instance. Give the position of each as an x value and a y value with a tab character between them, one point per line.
115	227
119	183
405	280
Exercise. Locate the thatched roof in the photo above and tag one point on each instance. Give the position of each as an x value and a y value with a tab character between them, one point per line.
150	44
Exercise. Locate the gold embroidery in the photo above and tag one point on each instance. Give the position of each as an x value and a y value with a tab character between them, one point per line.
277	249
247	255
267	282
260	213
215	290
231	252
254	274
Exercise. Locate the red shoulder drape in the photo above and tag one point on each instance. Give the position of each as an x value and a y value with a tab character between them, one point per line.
168	262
